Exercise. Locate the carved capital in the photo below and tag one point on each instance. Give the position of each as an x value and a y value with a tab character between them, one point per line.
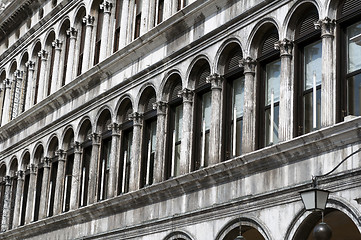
186	94
216	81
61	154
106	7
248	64
57	44
161	107
43	55
88	20
32	167
285	47
30	65
137	118
115	128
72	32
46	162
7	180
95	137
7	83
20	175
327	27
77	147
19	74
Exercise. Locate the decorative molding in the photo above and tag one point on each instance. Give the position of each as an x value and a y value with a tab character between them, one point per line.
285	47
249	65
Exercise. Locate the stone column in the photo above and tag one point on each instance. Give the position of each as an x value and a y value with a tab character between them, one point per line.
215	131
58	198
56	81
43	208
159	163
124	29
93	169
249	116
30	85
134	181
72	33
89	21
29	215
185	155
75	180
114	159
42	89
106	7
6	207
18	198
6	108
328	87
20	91
287	92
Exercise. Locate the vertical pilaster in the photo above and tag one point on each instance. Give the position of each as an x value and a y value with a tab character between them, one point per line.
185	158
6	207
287	92
215	131
114	159
249	117
59	186
42	89
29	215
89	21
106	7
134	181
6	108
75	180
72	33
328	88
56	81
93	170
159	164
19	93
18	198
30	85
43	208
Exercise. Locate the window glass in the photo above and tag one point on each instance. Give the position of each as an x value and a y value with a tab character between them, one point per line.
237	115
153	131
273	81
207	109
238	96
354	47
178	122
313	64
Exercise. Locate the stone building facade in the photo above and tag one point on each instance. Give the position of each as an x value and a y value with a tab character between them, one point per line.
178	119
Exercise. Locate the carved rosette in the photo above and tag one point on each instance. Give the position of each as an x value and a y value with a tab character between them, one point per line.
72	32
43	55
285	47
137	118
30	65
186	94
327	27
89	20
249	65
106	7
161	107
216	81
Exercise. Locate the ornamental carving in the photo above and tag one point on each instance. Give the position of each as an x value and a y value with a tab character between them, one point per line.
43	55
115	128
285	47
88	20
106	6
57	44
137	118
72	32
161	107
248	64
186	94
327	27
30	65
216	81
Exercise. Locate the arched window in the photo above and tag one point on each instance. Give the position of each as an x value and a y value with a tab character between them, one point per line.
15	91
38	157
137	18
86	144
117	16
80	26
308	56
202	114
69	165
2	94
25	79
99	29
181	4
2	190
50	49
65	39
175	126
24	203
53	158
269	96
159	11
349	19
126	157
14	184
149	137
37	60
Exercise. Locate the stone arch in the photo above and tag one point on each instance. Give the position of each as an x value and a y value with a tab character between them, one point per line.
35	49
12	68
196	62
103	119
38	153
146	94
79	13
53	146
23	60
163	86
49	37
68	138
179	235
257	35
124	109
295	14
173	80
13	166
84	128
224	50
65	21
25	160
252	229
2	170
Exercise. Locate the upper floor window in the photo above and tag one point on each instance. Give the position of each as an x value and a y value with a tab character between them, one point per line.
117	16
137	18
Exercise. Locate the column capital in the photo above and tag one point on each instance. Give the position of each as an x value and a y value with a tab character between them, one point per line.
33	168
46	162
327	27
285	47
137	118
249	65
19	74
161	107
43	55
30	65
61	154
77	147
186	94
72	32
95	137
106	6
115	128
89	20
20	175
7	83
7	180
216	81
57	44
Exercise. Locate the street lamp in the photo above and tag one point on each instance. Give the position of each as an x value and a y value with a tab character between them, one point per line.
240	237
315	199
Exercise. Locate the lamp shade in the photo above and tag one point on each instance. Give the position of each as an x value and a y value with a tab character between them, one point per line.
314	199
